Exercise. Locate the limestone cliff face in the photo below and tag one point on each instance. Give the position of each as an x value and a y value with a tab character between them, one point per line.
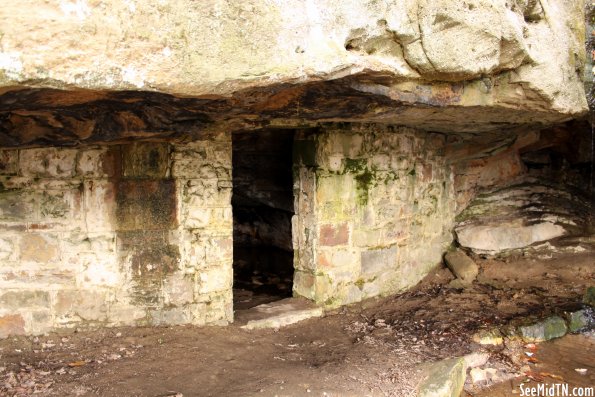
481	55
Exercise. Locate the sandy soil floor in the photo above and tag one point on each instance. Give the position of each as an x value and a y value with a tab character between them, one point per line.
368	349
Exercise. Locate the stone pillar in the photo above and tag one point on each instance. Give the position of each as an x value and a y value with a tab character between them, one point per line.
202	170
374	209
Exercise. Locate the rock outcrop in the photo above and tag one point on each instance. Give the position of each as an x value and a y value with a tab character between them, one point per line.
444	378
520	215
441	65
462	266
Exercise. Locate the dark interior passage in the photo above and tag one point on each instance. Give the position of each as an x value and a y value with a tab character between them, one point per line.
262	209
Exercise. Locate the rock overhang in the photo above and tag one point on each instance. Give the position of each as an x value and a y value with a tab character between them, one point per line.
368	89
41	116
443	66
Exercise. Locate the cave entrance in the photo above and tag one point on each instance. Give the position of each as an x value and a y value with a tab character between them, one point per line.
263	206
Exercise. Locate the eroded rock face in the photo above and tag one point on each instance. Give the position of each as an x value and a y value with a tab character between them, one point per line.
450	34
520	215
484	63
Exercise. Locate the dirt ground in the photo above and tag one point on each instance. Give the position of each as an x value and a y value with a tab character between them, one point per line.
368	349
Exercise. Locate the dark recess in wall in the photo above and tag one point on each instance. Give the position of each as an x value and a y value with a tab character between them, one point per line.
262	206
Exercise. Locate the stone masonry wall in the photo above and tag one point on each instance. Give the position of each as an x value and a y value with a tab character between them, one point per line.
141	233
374	211
133	234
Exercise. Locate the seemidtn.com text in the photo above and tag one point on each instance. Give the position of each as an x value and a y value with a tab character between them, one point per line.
555	390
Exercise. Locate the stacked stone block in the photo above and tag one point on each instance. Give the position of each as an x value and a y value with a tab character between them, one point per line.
374	211
141	233
128	234
202	170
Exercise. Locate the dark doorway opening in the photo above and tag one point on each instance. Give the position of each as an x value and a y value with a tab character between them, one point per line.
262	204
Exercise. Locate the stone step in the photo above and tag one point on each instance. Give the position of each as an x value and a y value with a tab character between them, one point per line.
278	314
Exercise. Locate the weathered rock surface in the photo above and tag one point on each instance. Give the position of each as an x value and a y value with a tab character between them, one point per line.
444	378
484	64
580	320
489	337
549	328
485	375
279	314
520	215
462	266
189	48
476	359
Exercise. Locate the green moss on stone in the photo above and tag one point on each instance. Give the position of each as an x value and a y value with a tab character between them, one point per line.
360	283
331	302
550	328
355	166
578	321
365	177
364	182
